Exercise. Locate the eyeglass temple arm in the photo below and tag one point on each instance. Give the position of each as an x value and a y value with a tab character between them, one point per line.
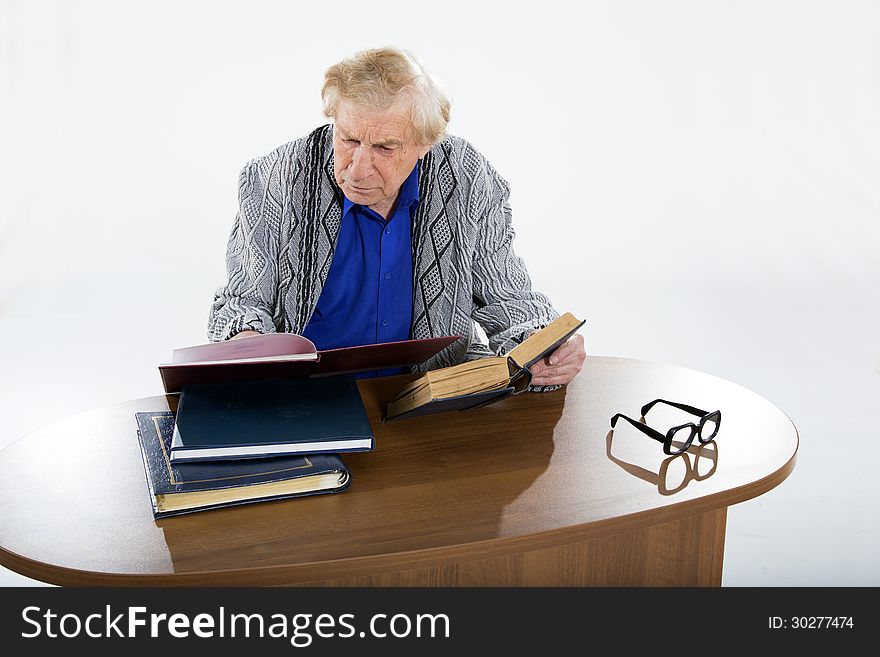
644	428
690	409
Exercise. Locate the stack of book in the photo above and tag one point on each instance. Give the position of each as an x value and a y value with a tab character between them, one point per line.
261	418
267	417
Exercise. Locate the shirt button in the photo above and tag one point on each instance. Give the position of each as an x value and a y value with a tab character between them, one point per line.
384	322
387	231
387	275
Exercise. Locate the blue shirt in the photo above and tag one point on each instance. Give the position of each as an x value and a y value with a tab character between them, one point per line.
367	298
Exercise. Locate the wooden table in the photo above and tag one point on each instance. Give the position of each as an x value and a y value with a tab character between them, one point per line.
534	490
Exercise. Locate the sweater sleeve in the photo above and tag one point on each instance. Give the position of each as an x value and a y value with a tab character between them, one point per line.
248	299
507	307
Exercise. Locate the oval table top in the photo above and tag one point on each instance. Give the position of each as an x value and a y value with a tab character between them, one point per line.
535	470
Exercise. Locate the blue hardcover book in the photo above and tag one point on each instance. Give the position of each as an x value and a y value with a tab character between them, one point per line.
270	417
188	487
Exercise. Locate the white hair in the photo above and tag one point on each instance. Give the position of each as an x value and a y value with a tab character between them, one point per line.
375	79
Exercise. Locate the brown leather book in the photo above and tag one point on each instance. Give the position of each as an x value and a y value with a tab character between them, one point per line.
480	381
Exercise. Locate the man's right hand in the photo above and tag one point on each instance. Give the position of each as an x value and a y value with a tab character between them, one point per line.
245	334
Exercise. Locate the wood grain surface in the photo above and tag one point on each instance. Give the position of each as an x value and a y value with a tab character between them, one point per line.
534	490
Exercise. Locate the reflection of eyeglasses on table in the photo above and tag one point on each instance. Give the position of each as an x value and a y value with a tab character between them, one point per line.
675	442
671	479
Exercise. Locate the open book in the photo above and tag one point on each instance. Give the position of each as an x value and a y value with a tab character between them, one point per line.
287	355
481	381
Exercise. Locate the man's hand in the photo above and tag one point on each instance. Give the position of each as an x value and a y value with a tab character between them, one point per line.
561	366
247	334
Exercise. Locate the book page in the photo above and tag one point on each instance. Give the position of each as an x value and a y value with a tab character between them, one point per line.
450	377
284	358
491	374
256	347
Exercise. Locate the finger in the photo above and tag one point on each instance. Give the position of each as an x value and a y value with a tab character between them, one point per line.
562	365
561	373
541	368
575	358
570	348
561	353
568	359
555	375
576	352
559	358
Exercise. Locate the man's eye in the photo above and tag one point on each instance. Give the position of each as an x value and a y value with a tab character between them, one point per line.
385	149
353	142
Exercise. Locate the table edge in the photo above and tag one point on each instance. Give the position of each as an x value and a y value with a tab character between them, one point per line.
317	571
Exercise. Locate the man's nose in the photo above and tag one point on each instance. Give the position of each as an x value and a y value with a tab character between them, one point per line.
361	162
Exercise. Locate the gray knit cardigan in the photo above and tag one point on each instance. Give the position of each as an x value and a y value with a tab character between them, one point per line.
467	281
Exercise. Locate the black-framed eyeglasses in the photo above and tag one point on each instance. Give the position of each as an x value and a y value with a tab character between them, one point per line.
680	437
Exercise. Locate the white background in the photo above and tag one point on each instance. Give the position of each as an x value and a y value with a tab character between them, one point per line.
700	180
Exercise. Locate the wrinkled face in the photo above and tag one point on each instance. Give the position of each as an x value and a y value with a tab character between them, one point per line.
374	152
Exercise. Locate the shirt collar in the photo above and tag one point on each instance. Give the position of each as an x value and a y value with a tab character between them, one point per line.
408	195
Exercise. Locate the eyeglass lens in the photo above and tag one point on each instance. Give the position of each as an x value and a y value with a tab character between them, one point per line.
709	428
682	438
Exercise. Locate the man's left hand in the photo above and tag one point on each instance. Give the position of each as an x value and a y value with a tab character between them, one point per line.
561	366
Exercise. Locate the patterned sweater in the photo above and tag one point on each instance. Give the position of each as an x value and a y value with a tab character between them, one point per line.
467	280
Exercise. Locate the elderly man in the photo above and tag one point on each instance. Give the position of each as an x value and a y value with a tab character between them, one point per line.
380	227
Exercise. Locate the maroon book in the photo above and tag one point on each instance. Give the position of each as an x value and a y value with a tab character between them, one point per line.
286	355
